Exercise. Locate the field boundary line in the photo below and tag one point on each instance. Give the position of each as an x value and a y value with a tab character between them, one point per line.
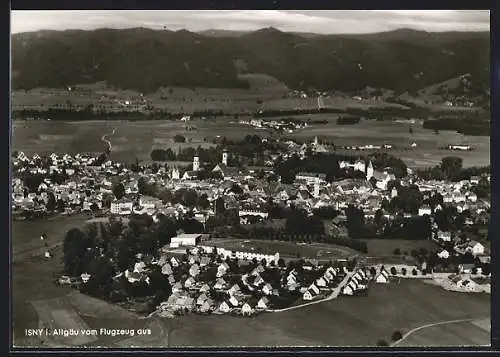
406	335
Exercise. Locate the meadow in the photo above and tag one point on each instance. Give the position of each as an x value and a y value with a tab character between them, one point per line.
136	139
349	321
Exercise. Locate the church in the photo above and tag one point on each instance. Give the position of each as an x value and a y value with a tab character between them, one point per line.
226	171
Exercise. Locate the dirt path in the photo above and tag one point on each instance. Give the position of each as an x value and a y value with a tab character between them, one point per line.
406	335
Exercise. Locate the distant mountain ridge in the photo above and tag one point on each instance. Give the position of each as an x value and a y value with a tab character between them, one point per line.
146	60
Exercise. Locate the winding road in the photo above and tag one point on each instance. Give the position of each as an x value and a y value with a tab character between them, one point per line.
406	335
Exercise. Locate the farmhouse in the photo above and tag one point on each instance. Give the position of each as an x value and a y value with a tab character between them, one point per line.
185	240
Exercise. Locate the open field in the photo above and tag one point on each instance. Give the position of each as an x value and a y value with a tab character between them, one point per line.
427	152
286	249
58	314
465	333
357	321
26	234
32	277
136	139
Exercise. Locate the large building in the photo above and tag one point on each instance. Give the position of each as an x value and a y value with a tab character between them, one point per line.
185	240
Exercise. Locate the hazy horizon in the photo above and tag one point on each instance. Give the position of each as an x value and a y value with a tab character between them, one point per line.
307	21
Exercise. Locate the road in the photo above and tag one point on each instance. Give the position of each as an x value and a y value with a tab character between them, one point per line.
406	335
335	293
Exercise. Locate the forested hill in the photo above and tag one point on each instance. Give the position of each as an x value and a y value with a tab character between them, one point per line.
145	60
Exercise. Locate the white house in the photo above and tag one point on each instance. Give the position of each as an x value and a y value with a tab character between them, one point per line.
444	236
233	301
85	277
246	309
263	303
224	307
166	269
475	248
382	277
220	284
308	296
424	210
348	290
194	270
201	299
444	254
321	282
234	289
189	283
267	289
206	306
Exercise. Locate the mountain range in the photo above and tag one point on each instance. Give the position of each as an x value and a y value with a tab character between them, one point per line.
146	60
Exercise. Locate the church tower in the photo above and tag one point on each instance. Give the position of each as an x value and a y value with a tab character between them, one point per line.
316	187
369	171
196	163
175	174
224	158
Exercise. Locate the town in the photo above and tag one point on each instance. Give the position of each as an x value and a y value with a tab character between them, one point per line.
210	236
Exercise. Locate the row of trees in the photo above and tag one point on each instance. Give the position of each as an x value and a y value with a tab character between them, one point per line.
451	168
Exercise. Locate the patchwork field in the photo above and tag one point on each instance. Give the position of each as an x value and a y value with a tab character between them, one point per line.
136	139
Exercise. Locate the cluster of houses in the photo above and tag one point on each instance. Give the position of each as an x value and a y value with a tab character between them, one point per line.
243	292
282	125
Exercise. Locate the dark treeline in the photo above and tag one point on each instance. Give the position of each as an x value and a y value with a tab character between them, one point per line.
250	150
90	113
346	120
283	112
451	169
478	127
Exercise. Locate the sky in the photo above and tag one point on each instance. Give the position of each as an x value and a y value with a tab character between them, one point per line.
317	21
